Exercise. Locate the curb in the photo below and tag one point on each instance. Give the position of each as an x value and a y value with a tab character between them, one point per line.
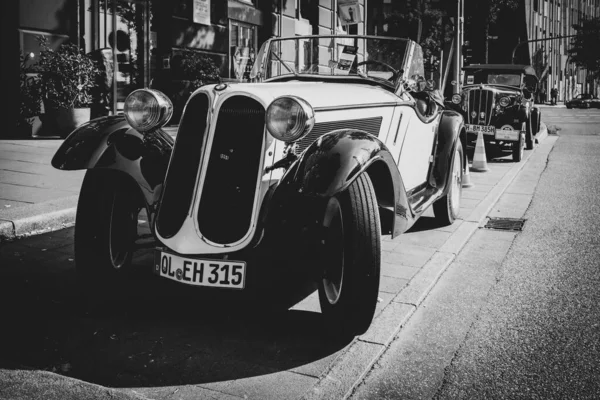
351	367
51	386
38	218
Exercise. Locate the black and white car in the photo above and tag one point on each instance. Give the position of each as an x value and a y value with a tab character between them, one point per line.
338	141
498	100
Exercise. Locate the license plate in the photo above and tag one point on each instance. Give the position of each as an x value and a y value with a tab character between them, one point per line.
486	129
200	272
506	134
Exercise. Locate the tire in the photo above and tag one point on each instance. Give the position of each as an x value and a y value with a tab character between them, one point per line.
529	135
517	149
447	208
351	260
105	232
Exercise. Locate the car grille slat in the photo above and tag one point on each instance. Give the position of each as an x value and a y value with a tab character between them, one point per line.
183	169
234	166
369	125
480	100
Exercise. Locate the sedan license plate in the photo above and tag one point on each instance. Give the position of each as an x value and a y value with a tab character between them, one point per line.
507	134
486	129
200	272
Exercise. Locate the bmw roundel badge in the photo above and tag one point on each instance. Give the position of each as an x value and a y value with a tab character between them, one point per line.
221	87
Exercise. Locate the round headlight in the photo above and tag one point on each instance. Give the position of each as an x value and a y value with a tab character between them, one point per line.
147	109
504	101
456	98
289	118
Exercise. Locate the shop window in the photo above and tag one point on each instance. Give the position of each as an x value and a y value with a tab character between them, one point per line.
306	9
218	12
243	49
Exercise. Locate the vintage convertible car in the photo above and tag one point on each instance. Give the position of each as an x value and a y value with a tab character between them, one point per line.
586	100
337	142
498	100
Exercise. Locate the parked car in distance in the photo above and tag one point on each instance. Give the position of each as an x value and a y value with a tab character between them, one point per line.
337	141
498	100
585	100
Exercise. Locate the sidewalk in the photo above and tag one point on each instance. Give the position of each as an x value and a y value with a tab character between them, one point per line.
412	264
34	197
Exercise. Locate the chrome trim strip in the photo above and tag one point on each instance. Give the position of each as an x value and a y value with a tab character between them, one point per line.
224	247
354	106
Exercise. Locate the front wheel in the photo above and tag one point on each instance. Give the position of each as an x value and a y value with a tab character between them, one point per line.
105	232
446	209
351	258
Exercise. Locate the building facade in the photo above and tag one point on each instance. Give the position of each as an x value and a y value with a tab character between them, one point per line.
143	38
548	19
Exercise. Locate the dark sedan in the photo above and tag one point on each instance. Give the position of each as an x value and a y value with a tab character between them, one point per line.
584	101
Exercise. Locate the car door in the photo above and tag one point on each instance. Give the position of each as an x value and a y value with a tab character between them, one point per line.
416	151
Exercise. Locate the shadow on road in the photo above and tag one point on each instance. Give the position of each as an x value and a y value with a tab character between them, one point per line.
159	333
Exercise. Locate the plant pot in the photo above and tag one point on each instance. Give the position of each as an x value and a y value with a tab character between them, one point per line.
69	119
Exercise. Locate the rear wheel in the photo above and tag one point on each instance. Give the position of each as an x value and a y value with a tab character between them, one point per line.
351	257
446	209
105	233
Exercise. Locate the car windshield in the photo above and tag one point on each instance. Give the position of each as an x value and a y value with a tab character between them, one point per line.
493	78
374	58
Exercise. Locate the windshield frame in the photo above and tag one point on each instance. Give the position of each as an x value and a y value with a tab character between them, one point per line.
258	73
489	72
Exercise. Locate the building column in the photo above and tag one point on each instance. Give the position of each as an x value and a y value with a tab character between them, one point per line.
10	68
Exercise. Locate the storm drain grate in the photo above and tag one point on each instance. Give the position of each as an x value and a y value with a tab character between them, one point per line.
505	224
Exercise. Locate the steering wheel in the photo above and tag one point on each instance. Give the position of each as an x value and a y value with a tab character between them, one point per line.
394	70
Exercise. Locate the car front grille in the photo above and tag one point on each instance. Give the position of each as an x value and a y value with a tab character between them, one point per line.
480	101
234	166
369	125
180	182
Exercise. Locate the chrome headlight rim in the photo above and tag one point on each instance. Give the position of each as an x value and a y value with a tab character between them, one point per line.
299	121
456	98
156	109
504	101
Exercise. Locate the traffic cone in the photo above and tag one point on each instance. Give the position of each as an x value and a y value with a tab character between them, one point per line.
479	159
466	181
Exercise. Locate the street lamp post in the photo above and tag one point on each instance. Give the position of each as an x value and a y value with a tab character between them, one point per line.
458	39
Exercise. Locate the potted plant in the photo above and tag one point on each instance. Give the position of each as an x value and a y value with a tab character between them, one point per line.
30	107
67	77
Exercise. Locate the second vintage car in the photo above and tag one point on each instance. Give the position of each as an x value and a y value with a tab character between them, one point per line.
338	141
585	100
498	101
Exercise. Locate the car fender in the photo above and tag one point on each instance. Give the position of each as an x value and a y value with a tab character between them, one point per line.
109	142
332	162
451	131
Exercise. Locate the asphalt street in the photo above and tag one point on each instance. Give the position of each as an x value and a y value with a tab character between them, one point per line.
162	340
518	314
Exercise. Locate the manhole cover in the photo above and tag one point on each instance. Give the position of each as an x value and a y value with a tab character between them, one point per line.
505	224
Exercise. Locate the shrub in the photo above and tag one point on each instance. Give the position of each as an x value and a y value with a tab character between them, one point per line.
67	76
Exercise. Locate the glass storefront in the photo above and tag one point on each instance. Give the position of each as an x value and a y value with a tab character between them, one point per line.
119	33
242	41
